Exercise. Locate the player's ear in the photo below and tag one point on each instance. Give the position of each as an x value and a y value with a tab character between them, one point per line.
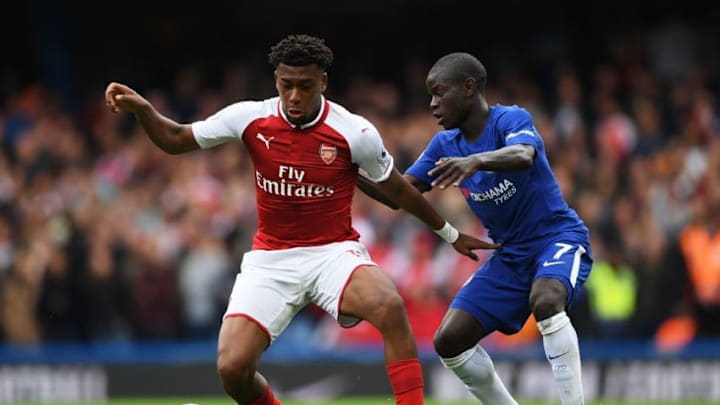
470	86
323	82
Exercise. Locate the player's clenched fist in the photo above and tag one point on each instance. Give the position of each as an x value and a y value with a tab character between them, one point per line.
121	97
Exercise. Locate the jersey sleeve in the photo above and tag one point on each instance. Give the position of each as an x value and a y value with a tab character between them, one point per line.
426	162
516	127
227	124
370	155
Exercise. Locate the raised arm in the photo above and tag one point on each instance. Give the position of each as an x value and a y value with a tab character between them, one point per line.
166	134
452	171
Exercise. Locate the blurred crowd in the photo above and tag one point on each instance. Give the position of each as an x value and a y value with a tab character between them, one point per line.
104	237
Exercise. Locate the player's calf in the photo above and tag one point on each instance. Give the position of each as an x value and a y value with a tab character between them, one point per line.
240	345
238	377
562	350
475	368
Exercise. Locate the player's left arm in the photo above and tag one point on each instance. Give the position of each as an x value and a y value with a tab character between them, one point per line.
371	189
520	147
377	165
406	196
452	171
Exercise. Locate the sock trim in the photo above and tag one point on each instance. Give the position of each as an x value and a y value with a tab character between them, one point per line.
460	359
266	398
553	324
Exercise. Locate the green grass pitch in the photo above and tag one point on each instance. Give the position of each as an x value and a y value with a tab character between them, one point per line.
348	401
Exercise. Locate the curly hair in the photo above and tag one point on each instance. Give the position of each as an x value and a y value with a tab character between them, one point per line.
301	50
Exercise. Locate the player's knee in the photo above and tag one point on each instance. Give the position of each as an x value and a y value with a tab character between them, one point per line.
544	306
449	342
547	298
388	312
235	367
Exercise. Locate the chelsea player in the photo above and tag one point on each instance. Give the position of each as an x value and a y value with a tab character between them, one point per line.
496	157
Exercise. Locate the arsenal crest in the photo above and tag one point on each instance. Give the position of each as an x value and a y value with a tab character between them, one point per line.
328	153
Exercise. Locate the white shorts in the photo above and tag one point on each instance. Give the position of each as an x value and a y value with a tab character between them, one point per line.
273	285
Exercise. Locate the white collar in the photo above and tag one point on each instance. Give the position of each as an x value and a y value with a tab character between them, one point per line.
307	124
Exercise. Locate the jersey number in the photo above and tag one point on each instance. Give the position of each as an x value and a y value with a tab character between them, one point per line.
564	248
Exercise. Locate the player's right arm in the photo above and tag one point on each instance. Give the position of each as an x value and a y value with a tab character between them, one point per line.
166	134
521	144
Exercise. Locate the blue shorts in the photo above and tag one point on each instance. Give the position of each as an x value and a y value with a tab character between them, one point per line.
498	294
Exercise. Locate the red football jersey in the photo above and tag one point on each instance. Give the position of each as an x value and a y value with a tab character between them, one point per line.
305	175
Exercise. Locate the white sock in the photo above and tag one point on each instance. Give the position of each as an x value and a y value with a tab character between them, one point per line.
563	353
475	368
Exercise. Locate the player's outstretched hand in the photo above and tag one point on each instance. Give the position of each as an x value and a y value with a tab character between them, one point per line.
452	171
466	244
121	97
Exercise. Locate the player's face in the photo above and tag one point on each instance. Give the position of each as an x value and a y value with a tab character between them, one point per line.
448	102
300	89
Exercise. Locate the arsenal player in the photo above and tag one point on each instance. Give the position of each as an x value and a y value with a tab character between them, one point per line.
309	154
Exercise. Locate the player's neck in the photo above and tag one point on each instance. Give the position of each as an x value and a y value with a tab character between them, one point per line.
475	123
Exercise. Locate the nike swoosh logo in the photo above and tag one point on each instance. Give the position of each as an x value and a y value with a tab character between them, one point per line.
547	263
555	357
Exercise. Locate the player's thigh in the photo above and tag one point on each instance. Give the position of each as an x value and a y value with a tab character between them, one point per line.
269	290
568	260
370	292
496	297
339	284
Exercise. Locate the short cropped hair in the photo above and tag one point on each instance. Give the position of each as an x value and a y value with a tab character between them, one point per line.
301	50
459	66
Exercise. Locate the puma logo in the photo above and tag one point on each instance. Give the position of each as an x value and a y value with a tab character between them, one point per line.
265	140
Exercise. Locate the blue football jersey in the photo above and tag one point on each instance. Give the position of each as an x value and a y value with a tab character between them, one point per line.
519	208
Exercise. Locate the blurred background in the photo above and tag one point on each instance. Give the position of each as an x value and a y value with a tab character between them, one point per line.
116	260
